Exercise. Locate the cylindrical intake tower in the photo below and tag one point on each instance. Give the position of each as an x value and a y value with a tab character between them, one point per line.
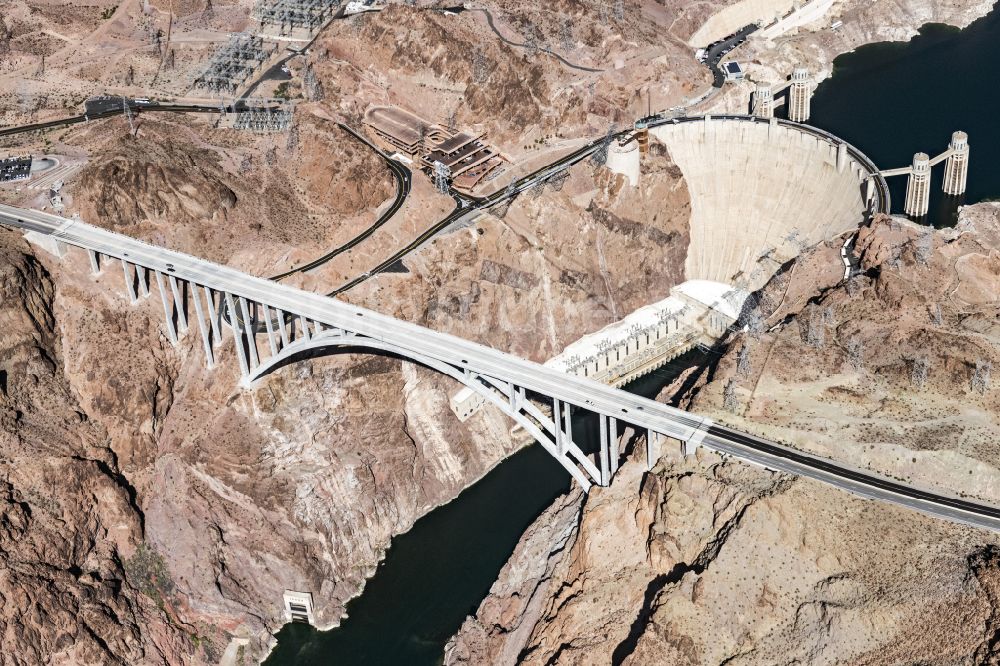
763	101
799	96
918	186
956	169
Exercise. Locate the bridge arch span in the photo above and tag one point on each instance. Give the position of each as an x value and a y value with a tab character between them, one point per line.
497	392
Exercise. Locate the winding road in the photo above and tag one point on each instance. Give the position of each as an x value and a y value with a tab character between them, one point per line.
475	205
98	108
404	181
493	27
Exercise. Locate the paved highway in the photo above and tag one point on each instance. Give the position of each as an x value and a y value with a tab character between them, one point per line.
479	359
475	205
106	107
404	180
493	27
715	52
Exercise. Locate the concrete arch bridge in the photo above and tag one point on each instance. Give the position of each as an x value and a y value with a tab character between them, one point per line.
195	293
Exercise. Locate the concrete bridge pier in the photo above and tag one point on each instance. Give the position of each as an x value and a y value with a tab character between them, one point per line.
918	187
95	262
129	282
48	243
168	313
652	449
956	169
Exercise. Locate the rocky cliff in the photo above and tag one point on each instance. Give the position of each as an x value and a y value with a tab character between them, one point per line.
236	197
563	260
300	484
890	370
79	585
702	560
496	78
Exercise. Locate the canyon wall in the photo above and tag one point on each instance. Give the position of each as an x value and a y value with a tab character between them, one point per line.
78	586
707	560
235	496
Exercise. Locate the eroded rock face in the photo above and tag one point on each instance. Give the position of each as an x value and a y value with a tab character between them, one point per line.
557	265
524	98
706	561
301	483
881	370
69	523
143	184
702	561
236	198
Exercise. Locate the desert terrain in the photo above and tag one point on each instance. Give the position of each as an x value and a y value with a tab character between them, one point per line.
153	511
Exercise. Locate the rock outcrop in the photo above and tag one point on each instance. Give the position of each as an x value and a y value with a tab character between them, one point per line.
70	527
234	197
890	370
703	560
302	482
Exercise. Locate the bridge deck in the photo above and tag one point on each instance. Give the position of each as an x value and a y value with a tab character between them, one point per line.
421	342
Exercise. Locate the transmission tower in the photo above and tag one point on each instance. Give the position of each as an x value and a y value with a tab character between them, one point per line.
508	198
981	376
128	115
558	180
480	68
566	36
919	371
531	38
441	176
600	155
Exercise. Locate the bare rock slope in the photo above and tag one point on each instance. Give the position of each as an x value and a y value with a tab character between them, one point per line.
69	524
701	560
301	483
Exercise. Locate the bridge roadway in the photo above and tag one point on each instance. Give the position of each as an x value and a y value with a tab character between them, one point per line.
481	361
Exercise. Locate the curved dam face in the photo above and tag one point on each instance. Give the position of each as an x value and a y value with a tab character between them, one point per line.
760	193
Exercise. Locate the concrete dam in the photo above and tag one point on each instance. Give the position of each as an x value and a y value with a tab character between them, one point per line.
763	191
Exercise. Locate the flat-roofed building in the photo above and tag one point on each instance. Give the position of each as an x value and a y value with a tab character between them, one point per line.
15	168
734	71
397	129
468	158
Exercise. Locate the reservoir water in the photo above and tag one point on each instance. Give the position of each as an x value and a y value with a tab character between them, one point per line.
894	99
437	573
890	100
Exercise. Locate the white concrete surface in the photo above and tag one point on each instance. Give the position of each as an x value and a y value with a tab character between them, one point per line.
697	311
807	13
624	159
729	19
756	189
